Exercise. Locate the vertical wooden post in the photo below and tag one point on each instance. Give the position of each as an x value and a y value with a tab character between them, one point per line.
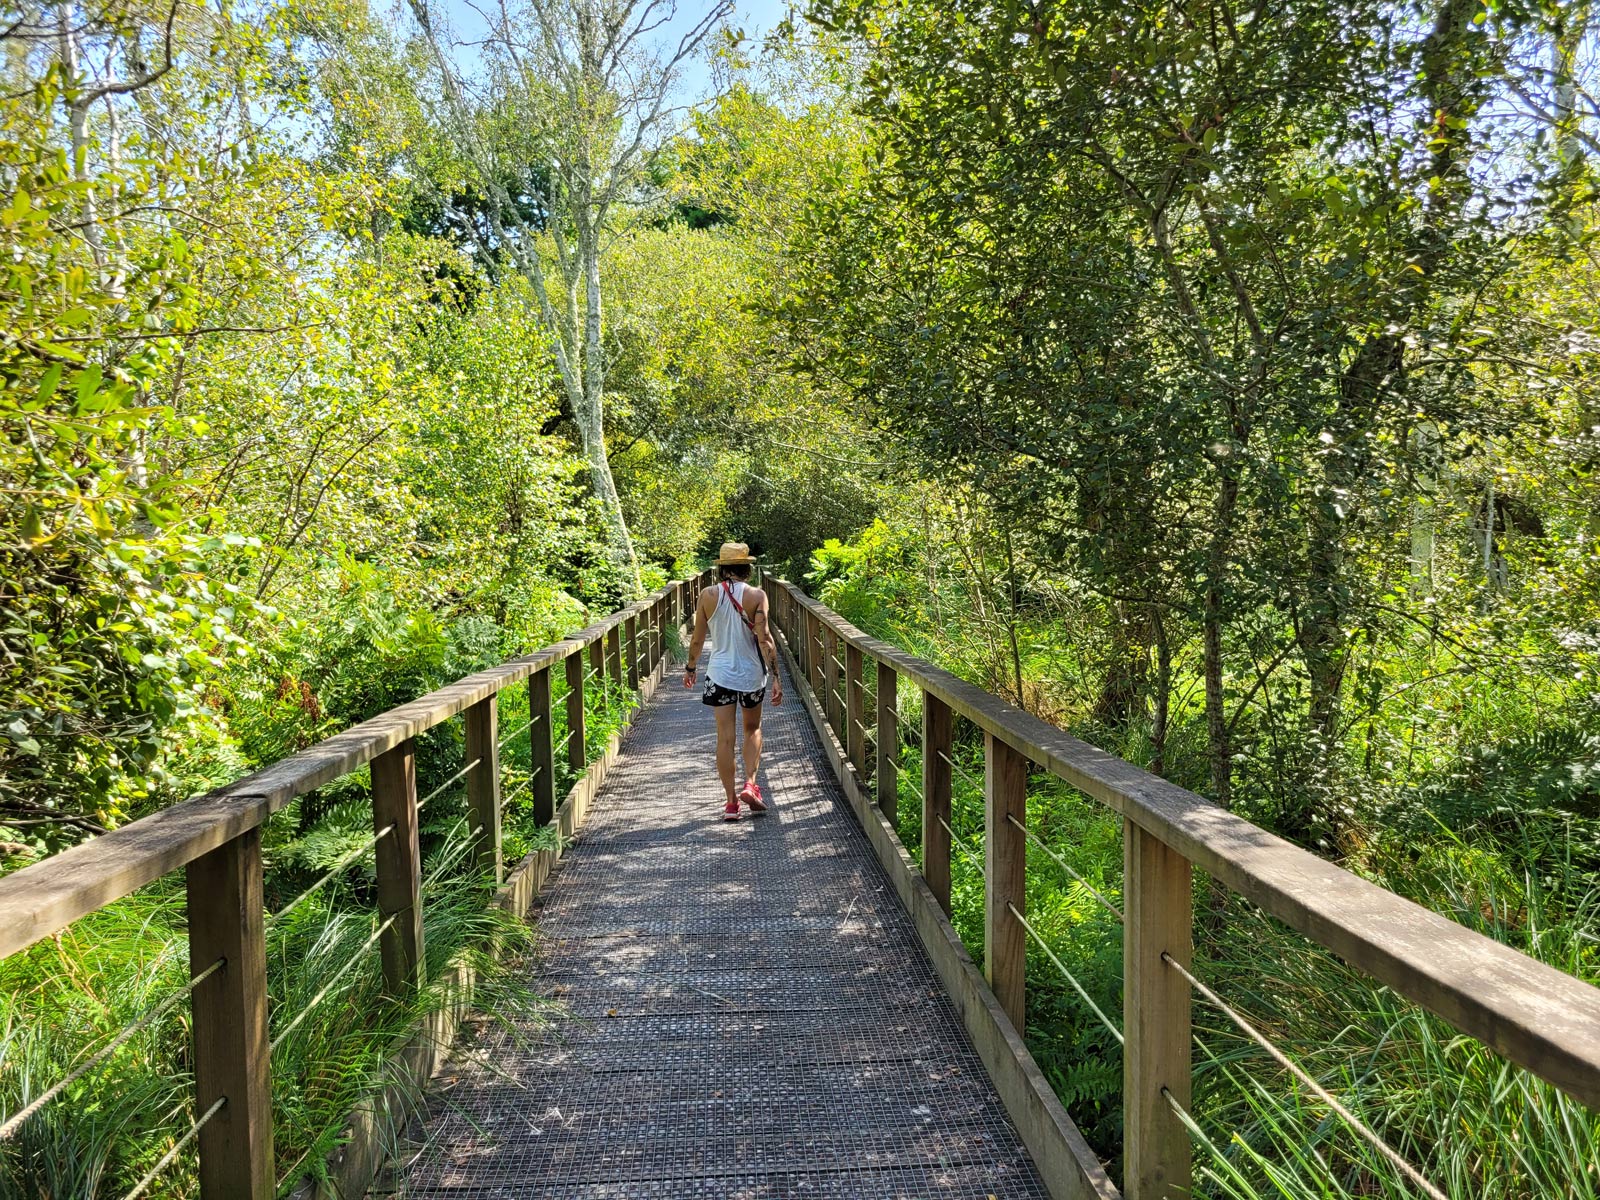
231	1057
855	712
399	867
1158	899
1005	941
938	730
577	755
887	772
647	646
483	786
657	628
631	641
614	653
830	650
542	749
814	623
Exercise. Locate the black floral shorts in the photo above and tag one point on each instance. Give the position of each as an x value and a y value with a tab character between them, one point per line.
720	697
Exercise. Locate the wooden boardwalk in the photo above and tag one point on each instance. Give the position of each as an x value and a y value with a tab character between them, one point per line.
745	1010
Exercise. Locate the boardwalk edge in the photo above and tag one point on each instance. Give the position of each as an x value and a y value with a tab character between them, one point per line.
1069	1168
372	1128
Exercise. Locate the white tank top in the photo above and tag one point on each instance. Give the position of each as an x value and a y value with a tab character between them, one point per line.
735	663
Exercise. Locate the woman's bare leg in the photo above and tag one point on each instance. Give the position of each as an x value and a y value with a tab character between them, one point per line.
752	743
725	733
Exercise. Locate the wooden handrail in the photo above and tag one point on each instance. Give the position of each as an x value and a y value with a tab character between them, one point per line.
41	899
1537	1016
217	839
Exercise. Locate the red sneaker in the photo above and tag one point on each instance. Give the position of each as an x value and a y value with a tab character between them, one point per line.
730	811
751	795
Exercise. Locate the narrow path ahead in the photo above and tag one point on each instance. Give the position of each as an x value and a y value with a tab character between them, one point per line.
749	1013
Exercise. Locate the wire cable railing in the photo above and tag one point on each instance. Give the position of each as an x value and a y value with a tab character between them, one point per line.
327	988
177	1149
505	802
154	1014
1063	864
330	873
1068	975
906	726
961	771
456	778
1395	1158
957	840
520	730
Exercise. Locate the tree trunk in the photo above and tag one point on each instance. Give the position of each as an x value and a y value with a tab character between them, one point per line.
1453	91
1122	691
1163	697
1212	618
589	407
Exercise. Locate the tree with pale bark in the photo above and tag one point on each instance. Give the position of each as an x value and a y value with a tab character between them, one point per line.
581	95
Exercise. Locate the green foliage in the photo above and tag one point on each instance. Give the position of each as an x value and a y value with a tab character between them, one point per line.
116	965
107	621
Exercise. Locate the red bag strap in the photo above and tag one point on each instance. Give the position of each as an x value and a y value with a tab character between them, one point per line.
727	590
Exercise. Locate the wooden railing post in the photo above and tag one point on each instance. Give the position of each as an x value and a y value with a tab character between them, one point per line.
814	624
577	755
1005	941
483	786
399	867
232	1061
597	659
938	730
631	640
1158	904
653	651
542	759
855	712
647	647
887	772
830	650
614	653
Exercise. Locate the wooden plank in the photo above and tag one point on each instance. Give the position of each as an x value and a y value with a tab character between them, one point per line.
652	649
541	749
1005	855
1533	1014
232	1061
576	754
887	773
830	675
631	644
483	784
597	661
938	732
614	655
399	868
814	652
855	714
1158	906
1064	1159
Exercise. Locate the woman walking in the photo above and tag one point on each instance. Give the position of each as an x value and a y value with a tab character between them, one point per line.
743	658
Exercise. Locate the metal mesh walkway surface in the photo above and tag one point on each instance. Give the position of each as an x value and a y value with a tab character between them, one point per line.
744	1011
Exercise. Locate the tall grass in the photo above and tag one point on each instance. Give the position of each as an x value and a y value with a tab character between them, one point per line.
65	997
1472	1123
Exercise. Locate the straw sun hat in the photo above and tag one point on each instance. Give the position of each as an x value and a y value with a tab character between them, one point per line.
733	554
